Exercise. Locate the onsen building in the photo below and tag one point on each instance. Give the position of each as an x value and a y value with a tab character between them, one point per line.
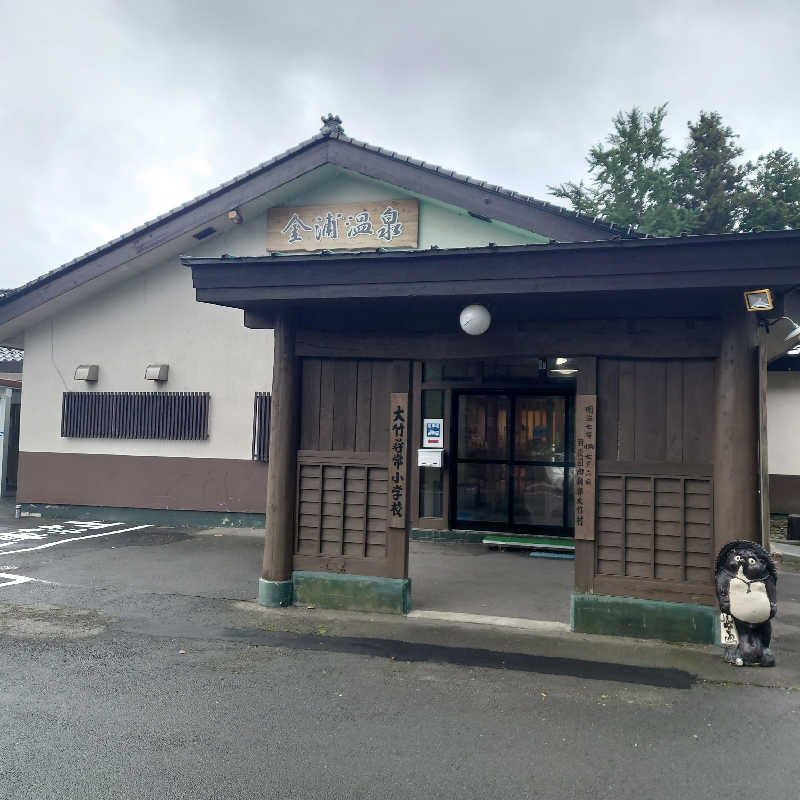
418	351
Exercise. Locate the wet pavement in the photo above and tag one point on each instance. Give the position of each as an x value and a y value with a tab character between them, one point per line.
471	578
137	665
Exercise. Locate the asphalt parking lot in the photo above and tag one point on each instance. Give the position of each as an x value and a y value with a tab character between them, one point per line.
137	666
162	580
117	556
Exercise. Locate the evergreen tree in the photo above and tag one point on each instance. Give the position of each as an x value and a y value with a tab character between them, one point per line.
772	202
706	178
630	175
638	180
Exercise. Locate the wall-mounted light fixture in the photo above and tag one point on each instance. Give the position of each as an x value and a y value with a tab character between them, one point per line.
562	368
235	216
87	372
156	372
759	300
475	319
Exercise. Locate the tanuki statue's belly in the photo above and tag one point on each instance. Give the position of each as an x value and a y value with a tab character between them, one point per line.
749	603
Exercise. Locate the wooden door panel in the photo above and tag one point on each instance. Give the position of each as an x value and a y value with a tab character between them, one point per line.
343	471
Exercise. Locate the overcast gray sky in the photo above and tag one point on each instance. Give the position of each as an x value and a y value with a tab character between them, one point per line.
112	112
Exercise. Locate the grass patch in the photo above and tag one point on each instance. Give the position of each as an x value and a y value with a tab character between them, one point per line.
778	525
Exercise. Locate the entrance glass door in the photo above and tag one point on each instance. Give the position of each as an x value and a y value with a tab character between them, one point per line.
512	453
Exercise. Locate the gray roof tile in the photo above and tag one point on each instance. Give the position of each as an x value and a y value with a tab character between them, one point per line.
10	354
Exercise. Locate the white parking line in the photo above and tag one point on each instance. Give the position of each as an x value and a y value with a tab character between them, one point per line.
13	580
74	539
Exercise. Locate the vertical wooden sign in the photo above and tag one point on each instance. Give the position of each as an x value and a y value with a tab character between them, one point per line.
398	455
585	464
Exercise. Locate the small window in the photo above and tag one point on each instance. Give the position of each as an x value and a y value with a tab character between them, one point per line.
135	415
261	409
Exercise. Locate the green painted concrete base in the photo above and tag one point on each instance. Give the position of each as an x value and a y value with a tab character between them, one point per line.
478	537
353	592
426	535
275	594
644	619
155	516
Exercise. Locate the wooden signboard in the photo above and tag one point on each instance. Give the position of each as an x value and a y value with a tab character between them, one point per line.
398	456
585	464
344	226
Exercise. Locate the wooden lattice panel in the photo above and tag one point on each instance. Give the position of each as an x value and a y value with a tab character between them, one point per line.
652	526
342	510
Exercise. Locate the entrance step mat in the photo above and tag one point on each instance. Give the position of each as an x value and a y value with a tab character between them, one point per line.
546	554
552	544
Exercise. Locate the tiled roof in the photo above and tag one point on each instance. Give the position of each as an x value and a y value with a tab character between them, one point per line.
10	354
328	132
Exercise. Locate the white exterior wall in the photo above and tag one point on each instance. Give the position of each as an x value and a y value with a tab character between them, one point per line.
154	318
783	423
150	319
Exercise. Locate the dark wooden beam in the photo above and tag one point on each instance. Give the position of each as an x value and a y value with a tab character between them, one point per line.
763	449
492	286
666	338
753	259
281	484
603	269
259	320
736	500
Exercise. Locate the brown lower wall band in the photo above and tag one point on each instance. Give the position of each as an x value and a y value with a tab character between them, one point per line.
187	484
784	494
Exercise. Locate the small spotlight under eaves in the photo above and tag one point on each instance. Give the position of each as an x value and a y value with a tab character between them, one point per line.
759	300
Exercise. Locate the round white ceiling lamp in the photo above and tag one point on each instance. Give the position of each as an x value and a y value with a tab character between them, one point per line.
475	319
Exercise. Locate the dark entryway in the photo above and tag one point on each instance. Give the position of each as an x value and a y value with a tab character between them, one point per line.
512	461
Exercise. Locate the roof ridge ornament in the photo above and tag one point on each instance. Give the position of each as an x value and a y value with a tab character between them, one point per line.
331	125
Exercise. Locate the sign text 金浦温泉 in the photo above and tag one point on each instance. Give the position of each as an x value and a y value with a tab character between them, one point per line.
344	226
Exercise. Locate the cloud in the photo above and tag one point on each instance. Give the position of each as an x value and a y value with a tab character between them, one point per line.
166	185
111	112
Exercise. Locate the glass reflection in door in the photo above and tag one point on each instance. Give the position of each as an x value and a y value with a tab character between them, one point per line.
512	459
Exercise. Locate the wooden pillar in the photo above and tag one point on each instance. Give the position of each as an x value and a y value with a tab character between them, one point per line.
736	500
763	456
282	477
